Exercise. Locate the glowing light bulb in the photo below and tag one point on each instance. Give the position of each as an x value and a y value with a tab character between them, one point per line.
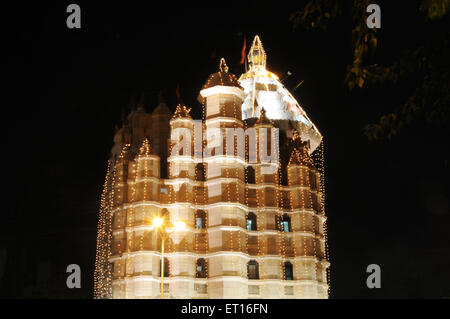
157	222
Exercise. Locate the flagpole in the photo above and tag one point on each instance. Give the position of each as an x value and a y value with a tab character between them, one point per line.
244	47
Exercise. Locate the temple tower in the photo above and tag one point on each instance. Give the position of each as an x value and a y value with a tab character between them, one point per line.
247	180
307	238
225	180
181	190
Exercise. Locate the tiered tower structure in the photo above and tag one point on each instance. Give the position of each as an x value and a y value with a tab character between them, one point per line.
248	183
227	257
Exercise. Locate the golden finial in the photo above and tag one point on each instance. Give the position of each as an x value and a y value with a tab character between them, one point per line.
257	55
223	66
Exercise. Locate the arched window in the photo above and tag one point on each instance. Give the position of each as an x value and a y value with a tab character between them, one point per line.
251	221
166	267
200	172
288	271
250	171
286	223
252	270
200	219
201	268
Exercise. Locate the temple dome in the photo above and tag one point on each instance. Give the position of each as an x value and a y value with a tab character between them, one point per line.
222	78
263	88
182	111
161	108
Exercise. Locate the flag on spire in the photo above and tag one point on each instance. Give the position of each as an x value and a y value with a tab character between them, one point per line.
244	47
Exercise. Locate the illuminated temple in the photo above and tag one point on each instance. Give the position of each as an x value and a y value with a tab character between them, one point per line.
255	228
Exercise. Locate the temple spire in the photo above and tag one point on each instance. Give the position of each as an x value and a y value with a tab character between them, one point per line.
263	119
145	149
161	97
131	104
223	66
181	111
140	105
257	55
178	94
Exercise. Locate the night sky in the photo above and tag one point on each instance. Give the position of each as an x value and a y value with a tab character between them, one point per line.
387	203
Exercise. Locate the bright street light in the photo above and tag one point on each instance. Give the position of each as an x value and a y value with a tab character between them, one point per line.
159	224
